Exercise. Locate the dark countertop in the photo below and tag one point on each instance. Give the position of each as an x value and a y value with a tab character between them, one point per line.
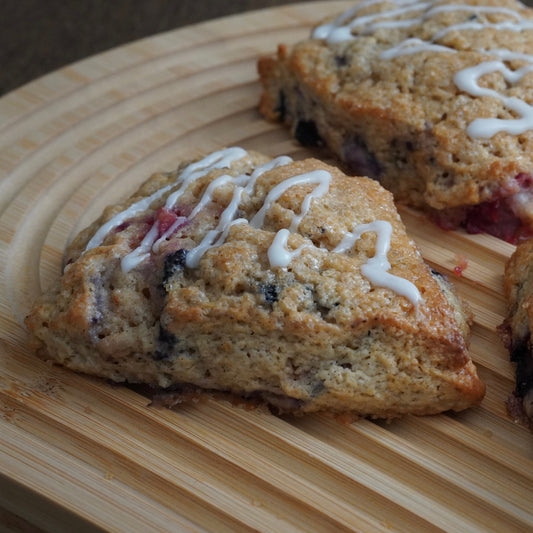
39	36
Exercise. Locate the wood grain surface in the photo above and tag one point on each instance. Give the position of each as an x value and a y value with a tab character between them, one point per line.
78	452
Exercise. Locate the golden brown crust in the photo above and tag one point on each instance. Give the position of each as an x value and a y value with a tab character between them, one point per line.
316	335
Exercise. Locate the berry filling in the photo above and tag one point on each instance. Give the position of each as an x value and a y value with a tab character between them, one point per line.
497	217
170	220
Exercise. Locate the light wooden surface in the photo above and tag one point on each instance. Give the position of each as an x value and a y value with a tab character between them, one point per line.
78	452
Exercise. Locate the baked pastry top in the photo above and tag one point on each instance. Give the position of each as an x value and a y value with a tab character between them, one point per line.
516	330
276	279
434	99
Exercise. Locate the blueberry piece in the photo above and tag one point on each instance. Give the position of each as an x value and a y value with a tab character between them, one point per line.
306	133
520	350
174	262
524	370
341	61
166	342
270	292
360	160
437	274
282	106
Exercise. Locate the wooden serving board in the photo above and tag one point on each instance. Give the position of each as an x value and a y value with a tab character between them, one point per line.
77	452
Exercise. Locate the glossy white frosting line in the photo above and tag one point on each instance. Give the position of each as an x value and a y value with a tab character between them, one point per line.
219	159
342	28
323	31
338	30
319	177
217	236
478	26
208	194
243	184
413	46
275	163
467	80
279	255
180	221
142	252
376	268
129	213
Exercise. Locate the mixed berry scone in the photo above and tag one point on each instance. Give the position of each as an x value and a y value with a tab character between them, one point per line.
516	330
273	279
433	99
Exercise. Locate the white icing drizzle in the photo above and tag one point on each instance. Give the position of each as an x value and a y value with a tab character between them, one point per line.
208	194
338	31
279	255
244	184
478	26
142	251
217	236
320	177
413	46
132	211
277	162
219	159
180	221
376	268
485	128
341	29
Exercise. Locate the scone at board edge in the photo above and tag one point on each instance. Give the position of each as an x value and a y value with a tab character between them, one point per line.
272	279
516	329
433	99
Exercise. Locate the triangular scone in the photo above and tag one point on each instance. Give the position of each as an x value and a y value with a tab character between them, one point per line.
433	99
280	280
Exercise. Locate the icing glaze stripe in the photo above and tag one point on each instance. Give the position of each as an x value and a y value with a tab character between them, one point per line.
467	80
376	268
219	159
279	255
320	177
341	29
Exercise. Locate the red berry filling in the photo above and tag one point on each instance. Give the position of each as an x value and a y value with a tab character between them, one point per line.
495	217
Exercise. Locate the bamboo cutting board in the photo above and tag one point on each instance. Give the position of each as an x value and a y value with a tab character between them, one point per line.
76	452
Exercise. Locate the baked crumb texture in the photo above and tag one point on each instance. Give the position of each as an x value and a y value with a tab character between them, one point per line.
433	99
516	330
280	280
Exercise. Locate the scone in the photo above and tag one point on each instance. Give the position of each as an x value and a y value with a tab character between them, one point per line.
433	99
516	330
274	279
